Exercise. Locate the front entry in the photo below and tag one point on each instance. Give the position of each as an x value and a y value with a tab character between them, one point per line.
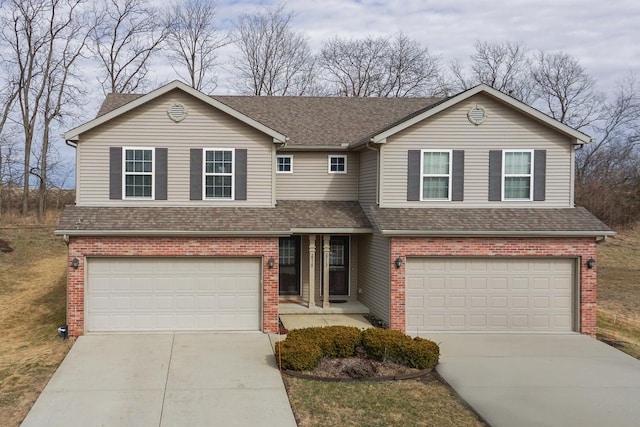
289	266
339	265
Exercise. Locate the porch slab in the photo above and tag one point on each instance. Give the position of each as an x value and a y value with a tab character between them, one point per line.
298	321
348	307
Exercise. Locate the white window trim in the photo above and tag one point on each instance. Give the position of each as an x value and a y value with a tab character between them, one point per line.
283	156
205	174
423	175
125	173
530	175
338	156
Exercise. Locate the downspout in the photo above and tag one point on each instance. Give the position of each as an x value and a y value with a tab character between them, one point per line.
377	170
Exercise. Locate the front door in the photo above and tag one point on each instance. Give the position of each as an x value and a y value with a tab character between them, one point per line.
289	266
339	265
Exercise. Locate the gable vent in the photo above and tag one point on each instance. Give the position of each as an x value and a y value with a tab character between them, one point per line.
477	115
177	112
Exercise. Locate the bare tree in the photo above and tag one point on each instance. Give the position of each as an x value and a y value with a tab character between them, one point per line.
8	95
355	67
273	59
501	65
126	34
384	66
193	41
566	91
33	29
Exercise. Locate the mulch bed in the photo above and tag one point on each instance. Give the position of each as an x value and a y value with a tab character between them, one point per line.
359	369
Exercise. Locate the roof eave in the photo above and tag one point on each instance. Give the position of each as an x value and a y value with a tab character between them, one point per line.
580	137
74	134
171	233
332	230
481	233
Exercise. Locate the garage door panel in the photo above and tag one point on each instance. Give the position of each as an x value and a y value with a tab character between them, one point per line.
146	294
513	294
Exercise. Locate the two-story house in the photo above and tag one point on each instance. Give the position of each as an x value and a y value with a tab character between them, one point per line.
197	212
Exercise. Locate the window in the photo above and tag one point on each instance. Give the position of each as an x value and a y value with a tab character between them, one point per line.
218	174
436	175
517	175
337	164
138	173
285	164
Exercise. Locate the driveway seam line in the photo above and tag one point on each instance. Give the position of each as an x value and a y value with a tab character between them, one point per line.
166	382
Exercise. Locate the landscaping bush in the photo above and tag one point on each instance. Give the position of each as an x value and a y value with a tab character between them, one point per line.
303	348
335	341
386	344
298	355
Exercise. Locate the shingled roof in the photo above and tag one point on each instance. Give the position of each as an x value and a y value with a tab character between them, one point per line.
319	121
321	214
488	221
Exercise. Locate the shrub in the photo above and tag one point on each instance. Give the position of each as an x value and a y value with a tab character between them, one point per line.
385	344
335	341
298	355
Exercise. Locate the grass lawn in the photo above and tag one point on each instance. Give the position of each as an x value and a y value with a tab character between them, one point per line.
619	290
426	402
32	297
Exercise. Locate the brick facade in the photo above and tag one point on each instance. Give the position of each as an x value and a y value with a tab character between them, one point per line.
580	248
82	247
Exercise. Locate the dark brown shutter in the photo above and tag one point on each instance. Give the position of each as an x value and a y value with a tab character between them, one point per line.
539	174
161	173
495	175
413	175
241	174
115	173
457	178
195	173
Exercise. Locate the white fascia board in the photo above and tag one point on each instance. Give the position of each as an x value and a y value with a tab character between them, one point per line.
170	233
74	134
336	230
520	106
497	233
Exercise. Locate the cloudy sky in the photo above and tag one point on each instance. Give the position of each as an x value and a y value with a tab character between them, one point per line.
603	35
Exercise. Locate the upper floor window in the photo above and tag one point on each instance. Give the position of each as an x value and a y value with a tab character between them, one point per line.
138	171
436	175
285	164
517	174
338	164
218	174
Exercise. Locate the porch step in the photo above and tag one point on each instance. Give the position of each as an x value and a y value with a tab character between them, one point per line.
349	307
297	321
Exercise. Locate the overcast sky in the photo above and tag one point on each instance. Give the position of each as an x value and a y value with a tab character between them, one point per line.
603	35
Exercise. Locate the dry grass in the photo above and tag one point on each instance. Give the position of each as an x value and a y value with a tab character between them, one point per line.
427	402
619	291
32	297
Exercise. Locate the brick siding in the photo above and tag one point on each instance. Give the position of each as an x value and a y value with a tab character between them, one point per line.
81	247
581	248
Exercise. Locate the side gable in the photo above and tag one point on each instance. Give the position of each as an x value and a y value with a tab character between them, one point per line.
74	134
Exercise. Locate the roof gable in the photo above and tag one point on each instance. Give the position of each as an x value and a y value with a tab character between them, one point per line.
519	106
134	101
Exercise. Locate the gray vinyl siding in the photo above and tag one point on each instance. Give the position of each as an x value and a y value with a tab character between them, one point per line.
149	126
367	181
504	128
375	276
311	180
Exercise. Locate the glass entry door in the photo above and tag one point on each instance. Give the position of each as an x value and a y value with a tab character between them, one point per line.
339	266
289	266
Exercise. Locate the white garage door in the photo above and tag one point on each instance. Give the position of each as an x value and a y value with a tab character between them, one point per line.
172	294
489	294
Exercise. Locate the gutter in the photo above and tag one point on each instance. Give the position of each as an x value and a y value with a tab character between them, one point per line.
456	233
330	230
170	233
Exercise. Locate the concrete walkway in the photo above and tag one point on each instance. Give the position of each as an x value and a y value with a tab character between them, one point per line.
190	379
298	321
542	380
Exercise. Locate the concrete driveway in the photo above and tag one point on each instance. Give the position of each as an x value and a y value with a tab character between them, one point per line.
182	379
542	380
